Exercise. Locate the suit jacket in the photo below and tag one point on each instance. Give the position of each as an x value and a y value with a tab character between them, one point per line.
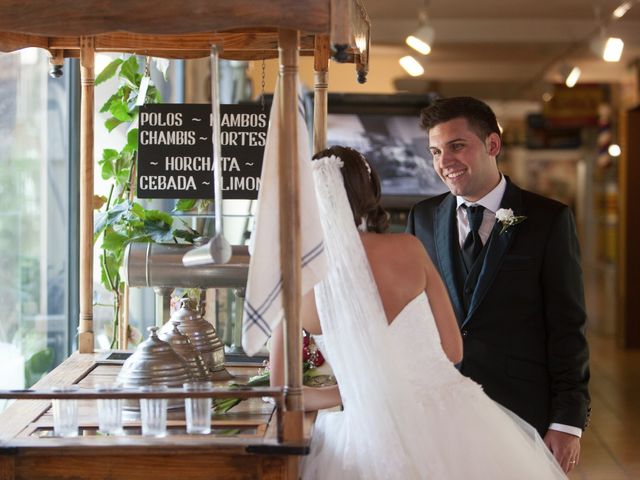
523	329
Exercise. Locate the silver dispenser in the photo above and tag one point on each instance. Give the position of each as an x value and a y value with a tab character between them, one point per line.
160	265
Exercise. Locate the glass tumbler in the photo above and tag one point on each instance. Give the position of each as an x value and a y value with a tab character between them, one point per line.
198	410
65	413
109	411
154	412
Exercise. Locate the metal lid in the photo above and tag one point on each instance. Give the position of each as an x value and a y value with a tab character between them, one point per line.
183	347
201	334
154	362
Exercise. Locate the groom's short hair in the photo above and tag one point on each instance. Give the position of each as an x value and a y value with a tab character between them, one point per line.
479	115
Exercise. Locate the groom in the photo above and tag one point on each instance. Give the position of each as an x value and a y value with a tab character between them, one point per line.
515	285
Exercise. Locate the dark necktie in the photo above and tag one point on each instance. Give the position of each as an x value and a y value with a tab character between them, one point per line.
472	245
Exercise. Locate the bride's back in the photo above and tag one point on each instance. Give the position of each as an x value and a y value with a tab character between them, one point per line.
398	268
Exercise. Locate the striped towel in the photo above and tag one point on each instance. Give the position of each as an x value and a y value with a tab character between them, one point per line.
263	308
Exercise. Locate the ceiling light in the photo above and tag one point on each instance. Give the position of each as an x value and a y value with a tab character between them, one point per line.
412	66
614	150
570	75
613	50
422	39
622	9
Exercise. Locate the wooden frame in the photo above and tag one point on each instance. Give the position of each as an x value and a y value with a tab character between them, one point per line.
243	30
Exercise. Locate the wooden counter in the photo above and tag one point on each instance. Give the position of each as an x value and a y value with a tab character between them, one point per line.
243	443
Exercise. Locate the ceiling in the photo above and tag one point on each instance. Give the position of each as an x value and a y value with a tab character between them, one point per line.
504	48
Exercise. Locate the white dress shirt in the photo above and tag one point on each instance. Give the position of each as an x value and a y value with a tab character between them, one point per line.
491	203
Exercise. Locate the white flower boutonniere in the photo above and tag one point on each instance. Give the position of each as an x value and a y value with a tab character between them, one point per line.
506	217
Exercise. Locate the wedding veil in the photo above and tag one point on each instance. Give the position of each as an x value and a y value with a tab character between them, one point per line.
389	436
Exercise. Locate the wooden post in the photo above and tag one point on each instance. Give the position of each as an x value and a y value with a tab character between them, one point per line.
628	258
87	75
320	97
290	231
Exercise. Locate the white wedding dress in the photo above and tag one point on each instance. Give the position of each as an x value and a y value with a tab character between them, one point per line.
408	413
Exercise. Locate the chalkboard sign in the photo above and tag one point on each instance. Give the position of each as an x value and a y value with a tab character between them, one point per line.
175	152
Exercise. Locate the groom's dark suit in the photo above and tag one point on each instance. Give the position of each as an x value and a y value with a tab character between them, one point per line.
520	308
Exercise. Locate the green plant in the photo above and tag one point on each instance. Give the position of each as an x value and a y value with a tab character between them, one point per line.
121	220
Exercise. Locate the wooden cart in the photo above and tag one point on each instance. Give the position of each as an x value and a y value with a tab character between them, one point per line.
243	30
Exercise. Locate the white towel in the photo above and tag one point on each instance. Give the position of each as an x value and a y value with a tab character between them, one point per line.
263	308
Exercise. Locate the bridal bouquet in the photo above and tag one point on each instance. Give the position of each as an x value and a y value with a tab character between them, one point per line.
316	372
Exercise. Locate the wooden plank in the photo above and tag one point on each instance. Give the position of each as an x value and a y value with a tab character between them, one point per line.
168	466
94	17
7	467
21	413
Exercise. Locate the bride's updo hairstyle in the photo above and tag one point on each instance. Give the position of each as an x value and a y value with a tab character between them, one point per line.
363	187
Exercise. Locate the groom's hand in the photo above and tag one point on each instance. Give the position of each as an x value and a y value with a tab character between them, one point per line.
565	447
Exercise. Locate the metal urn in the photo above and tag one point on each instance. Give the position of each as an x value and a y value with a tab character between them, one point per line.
202	335
154	362
190	354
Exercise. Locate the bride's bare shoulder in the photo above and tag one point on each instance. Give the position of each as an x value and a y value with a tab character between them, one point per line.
398	243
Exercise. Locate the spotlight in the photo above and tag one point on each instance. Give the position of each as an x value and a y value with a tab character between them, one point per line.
622	10
411	66
422	39
570	75
613	50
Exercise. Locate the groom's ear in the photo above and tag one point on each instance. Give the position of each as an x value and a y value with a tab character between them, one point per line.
493	144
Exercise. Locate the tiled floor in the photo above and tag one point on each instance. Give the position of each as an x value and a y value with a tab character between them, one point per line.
611	445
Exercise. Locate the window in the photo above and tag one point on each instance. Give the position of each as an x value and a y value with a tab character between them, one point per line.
34	218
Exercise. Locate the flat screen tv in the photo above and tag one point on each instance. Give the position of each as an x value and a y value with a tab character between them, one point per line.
386	129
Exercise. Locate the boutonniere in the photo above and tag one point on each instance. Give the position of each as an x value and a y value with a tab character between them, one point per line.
507	219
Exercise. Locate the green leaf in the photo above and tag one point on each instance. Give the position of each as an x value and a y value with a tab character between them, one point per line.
159	232
37	365
112	261
129	71
111	123
184	205
158	215
132	139
113	240
138	210
120	111
108	71
107	170
107	161
109	218
105	107
99	224
188	235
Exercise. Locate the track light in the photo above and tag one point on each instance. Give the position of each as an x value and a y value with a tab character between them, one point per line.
422	39
613	49
570	75
411	66
622	10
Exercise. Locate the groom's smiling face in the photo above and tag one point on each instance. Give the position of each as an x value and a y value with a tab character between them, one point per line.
465	163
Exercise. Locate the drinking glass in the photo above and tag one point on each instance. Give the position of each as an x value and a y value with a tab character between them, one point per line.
109	410
198	410
154	412
65	413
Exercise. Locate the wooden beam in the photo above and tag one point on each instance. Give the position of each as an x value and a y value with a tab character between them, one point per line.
628	257
87	75
320	96
95	17
290	249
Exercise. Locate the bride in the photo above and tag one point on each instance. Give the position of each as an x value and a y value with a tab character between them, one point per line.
391	337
